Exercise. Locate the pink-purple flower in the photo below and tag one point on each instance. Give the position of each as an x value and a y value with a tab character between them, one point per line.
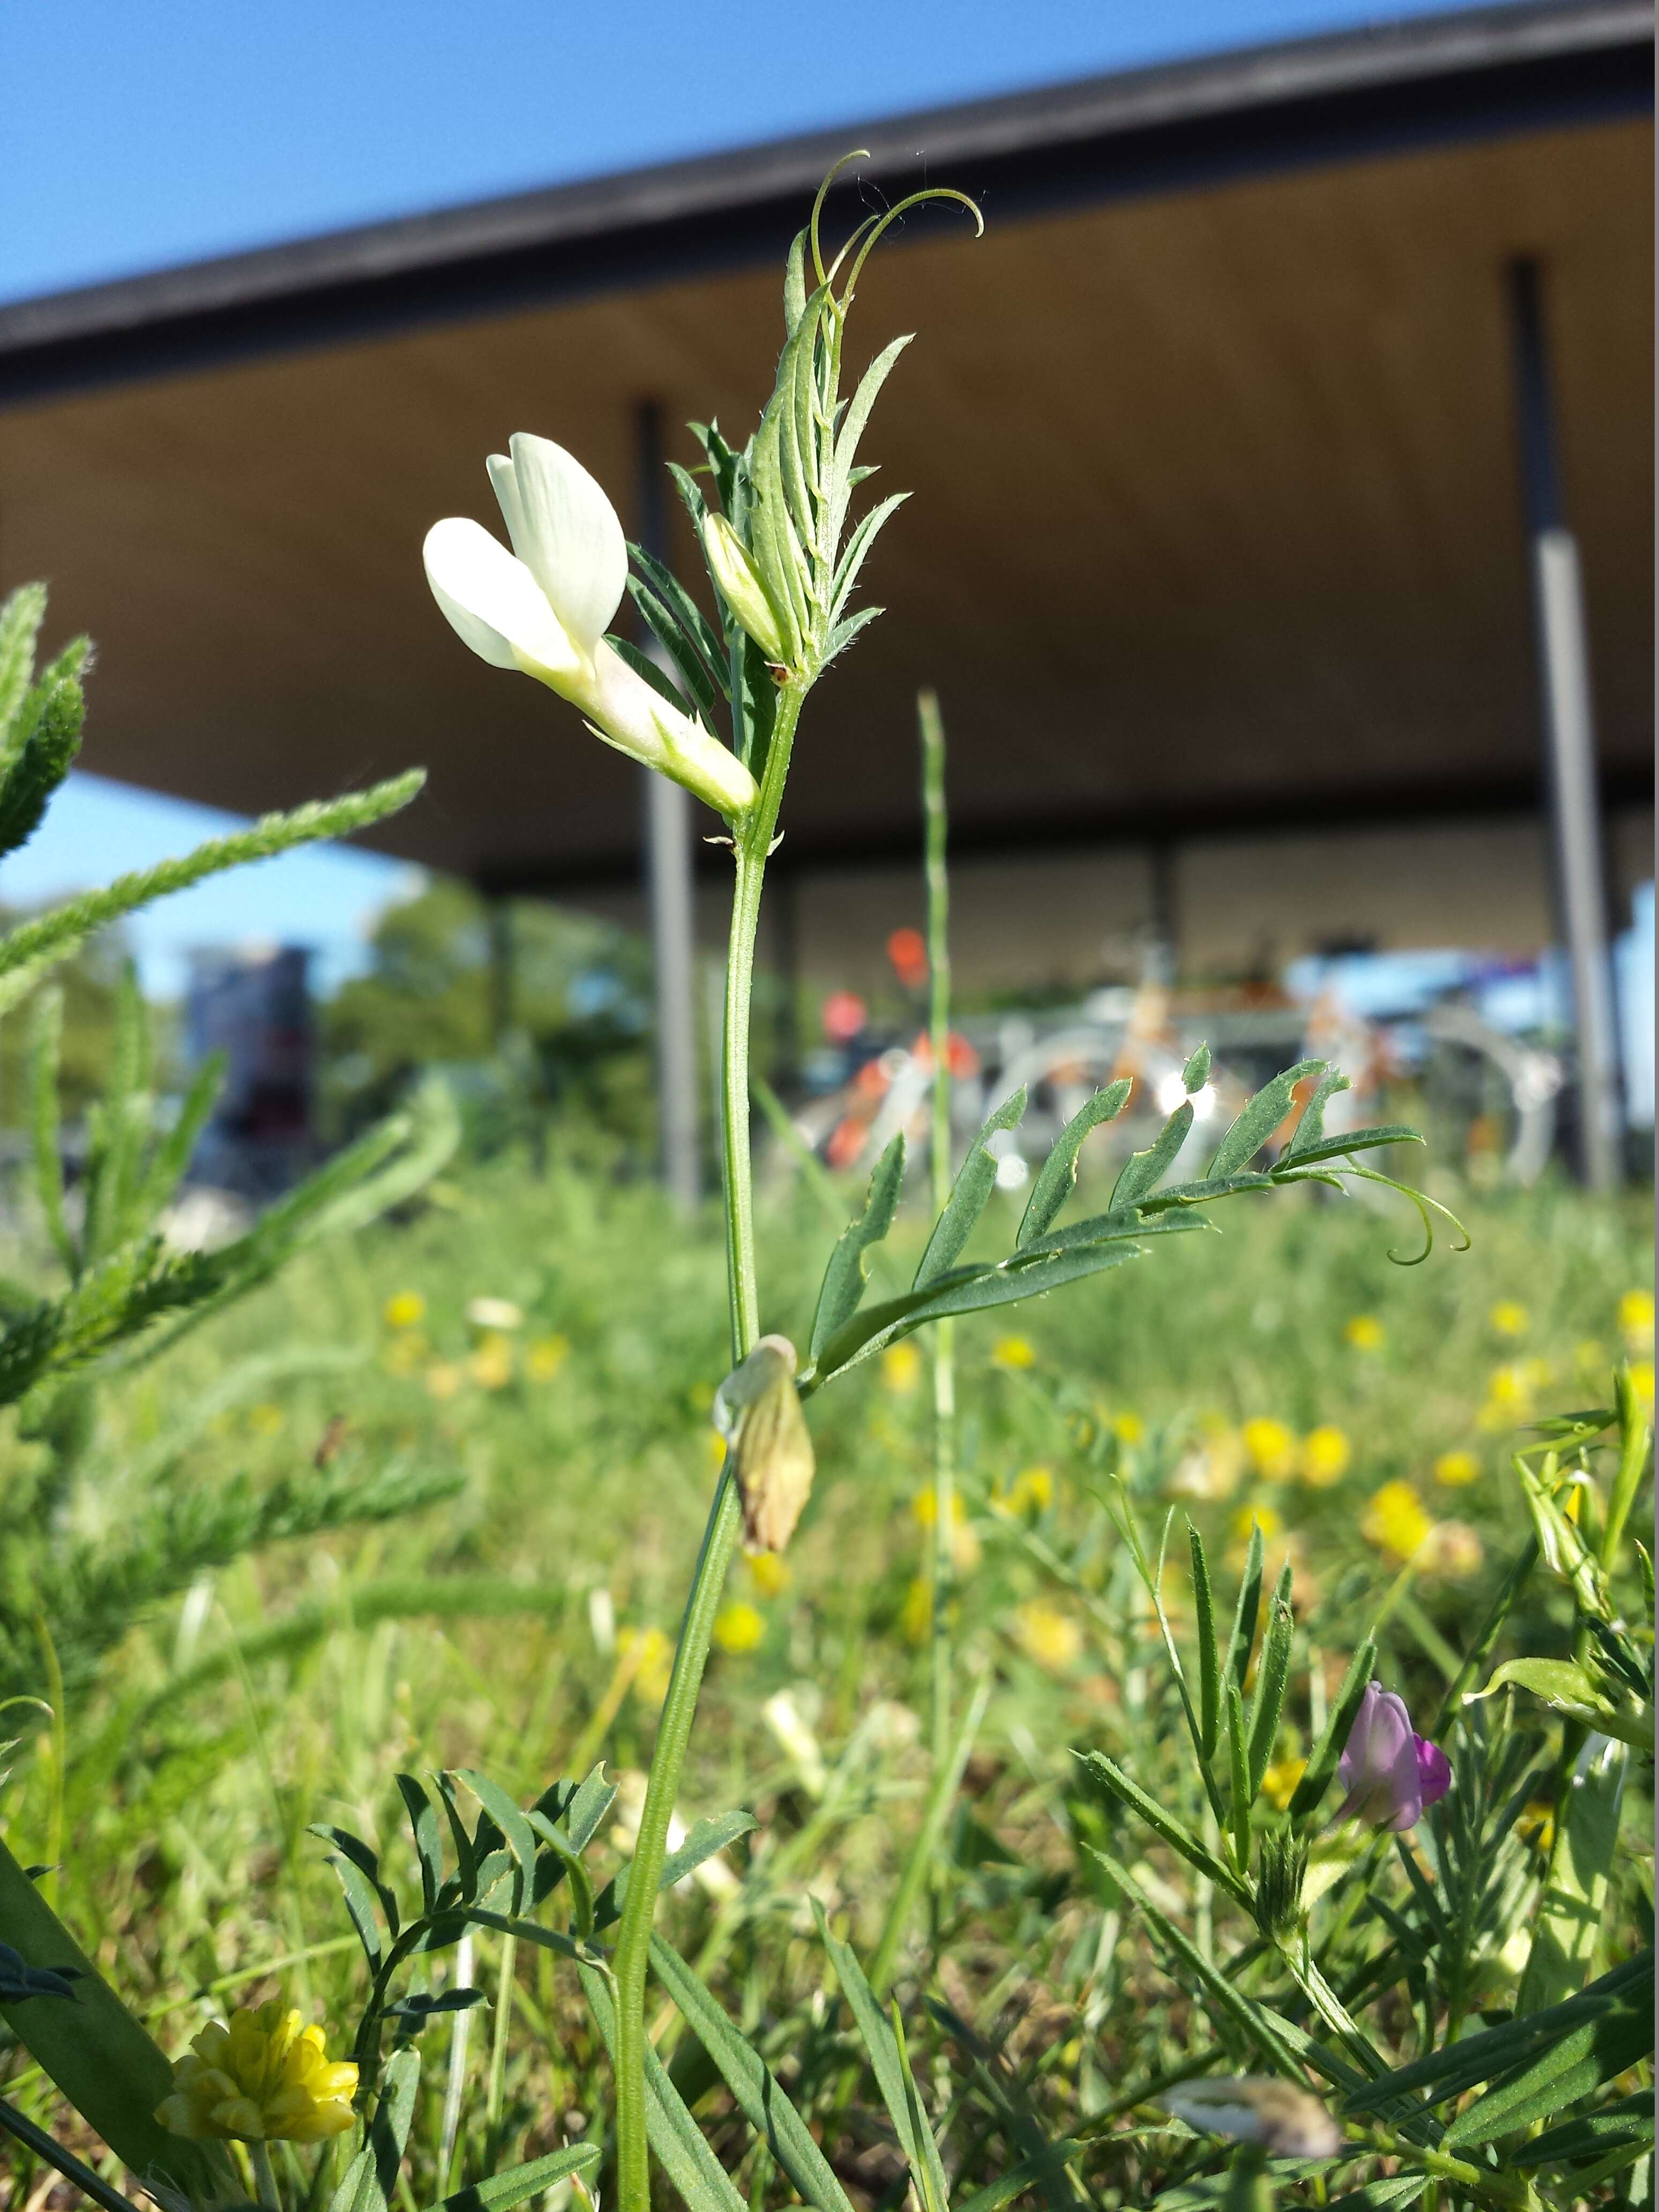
1389	1774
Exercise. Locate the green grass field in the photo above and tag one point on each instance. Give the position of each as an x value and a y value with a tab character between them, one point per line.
1285	1371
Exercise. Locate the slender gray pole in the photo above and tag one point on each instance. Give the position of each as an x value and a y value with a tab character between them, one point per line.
668	891
1569	733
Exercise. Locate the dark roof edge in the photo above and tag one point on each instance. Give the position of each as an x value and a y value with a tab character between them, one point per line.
1477	72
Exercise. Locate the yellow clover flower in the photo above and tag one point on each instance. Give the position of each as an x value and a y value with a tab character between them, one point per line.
740	1627
1014	1353
1364	1332
545	1357
1326	1453
491	1364
1641	1376
1128	1428
653	1665
1270	1447
917	1614
1636	1318
1255	1517
1456	1469
769	1573
1031	1491
262	2079
1396	1520
1509	1317
1052	1639
403	1309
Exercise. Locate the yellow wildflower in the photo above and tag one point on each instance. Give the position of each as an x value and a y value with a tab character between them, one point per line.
740	1626
406	1354
545	1356
1453	1549
1128	1428
1052	1639
491	1364
262	2079
403	1309
900	1368
1509	1317
443	1378
1395	1522
264	1420
652	1658
1013	1353
1456	1469
715	1446
1509	1397
964	1545
769	1572
917	1614
1278	1783
1641	1377
1255	1517
1326	1453
1636	1318
1364	1332
1031	1491
1270	1447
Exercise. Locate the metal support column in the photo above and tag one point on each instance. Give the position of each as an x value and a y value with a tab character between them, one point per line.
1569	733
669	889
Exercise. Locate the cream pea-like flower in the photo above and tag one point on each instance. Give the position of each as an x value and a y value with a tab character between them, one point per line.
263	2078
545	607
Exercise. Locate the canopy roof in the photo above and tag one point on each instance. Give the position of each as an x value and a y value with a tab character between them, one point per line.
1217	513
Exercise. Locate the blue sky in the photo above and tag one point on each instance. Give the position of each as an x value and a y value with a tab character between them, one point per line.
140	135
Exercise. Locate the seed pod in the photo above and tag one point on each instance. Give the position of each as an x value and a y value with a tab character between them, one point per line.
757	1410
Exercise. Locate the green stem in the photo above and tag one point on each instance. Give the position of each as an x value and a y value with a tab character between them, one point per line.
264	2179
752	841
944	1372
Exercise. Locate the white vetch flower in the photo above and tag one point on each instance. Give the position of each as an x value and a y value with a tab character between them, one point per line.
545	607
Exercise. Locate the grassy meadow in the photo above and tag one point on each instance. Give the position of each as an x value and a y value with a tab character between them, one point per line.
543	1349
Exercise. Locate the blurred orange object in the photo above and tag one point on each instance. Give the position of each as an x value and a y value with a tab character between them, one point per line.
907	950
845	1015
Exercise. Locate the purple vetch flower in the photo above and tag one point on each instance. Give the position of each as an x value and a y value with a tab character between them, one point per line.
1389	1774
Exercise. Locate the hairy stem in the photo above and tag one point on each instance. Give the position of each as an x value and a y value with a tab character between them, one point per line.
752	843
944	1373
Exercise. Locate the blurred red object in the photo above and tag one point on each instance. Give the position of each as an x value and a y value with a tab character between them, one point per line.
959	1055
845	1015
907	950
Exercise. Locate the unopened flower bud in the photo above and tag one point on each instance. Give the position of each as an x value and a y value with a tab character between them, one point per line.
739	580
758	1412
1286	2121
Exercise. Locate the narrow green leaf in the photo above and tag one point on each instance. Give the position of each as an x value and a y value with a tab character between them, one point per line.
1144	1171
877	2037
852	427
1209	1664
847	1272
429	1843
1592	2053
1272	1674
500	2192
931	2185
857	549
519	1836
1163	1823
371	2180
1057	1177
752	2083
1196	1073
1310	1129
1238	1759
45	1152
1568	1919
1357	1140
1259	1117
969	1195
706	1838
1592	2134
1241	1642
22	613
41	764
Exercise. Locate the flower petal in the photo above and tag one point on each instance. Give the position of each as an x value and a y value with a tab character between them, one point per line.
493	603
1434	1771
572	542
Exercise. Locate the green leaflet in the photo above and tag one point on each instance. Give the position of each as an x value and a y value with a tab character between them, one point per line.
887	2064
1057	1177
1209	1664
1271	1675
1143	1171
1323	1759
1593	2134
759	2098
845	1277
707	1836
1259	1117
969	1195
1589	2055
